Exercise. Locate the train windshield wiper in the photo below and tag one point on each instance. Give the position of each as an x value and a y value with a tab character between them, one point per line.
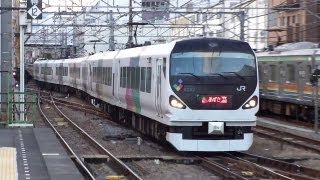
191	75
219	74
238	75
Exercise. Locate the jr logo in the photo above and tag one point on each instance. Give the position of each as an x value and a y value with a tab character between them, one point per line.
241	88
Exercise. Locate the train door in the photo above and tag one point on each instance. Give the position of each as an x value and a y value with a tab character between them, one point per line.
290	86
273	83
282	77
263	77
302	78
158	86
116	76
91	77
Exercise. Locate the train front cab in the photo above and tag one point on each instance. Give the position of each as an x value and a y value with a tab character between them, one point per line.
214	95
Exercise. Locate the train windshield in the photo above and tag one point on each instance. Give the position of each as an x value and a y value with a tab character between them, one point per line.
213	63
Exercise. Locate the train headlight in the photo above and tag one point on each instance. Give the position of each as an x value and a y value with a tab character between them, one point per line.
251	103
176	103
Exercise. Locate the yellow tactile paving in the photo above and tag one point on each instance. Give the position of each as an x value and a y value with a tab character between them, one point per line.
8	163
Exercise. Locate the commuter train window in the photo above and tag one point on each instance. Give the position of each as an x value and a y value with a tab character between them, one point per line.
65	71
84	73
260	72
148	80
124	83
107	70
100	75
132	77
128	85
137	78
143	79
291	73
94	77
273	73
121	77
109	76
164	67
309	70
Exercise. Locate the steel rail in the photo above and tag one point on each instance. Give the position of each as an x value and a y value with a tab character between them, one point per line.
82	165
267	170
307	143
227	173
86	108
292	170
219	169
121	165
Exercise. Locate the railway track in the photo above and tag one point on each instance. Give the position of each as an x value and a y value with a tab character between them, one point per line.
78	106
289	169
251	166
117	164
289	138
233	167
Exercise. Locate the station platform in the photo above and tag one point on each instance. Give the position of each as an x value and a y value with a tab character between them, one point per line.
34	153
289	127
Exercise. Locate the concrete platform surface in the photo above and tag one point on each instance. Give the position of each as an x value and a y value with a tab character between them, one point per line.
39	155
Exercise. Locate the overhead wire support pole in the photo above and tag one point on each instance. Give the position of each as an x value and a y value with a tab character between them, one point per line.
22	21
111	37
242	19
316	93
130	39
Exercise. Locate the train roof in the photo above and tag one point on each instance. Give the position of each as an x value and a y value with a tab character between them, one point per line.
301	54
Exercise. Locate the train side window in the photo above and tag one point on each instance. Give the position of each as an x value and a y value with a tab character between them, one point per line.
125	77
128	77
84	73
137	78
94	74
273	73
148	80
309	69
106	74
109	76
164	66
143	79
291	73
132	74
66	71
260	72
121	77
103	75
98	75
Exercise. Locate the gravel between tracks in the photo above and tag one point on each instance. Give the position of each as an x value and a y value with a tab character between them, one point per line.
121	141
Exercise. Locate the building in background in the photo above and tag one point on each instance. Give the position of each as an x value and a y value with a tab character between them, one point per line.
222	19
153	10
293	21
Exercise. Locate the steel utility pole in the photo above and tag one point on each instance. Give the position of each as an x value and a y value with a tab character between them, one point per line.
111	37
242	19
130	39
23	24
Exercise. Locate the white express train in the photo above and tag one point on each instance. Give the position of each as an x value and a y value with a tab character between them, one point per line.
198	94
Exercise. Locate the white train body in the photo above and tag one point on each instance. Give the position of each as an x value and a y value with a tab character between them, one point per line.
143	81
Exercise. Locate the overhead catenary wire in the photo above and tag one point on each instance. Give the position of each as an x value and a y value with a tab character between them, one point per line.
172	9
